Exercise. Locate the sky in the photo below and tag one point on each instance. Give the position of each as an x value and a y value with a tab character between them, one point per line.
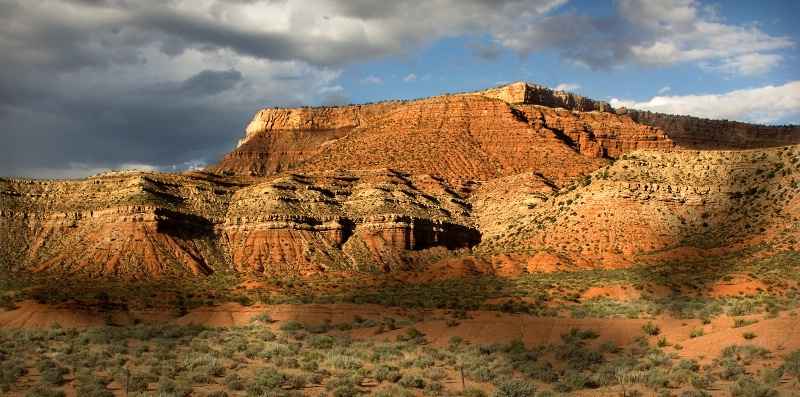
90	86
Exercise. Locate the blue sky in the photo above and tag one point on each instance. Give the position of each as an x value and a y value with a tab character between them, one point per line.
90	86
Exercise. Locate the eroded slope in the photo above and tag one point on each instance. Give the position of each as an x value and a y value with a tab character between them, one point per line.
651	206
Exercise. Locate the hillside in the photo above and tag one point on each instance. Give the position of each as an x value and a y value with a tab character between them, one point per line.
649	206
518	175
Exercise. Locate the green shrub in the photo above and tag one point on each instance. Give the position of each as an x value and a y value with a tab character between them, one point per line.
701	381
415	335
747	352
346	382
391	390
10	371
286	362
433	388
436	374
695	332
608	346
346	391
265	379
731	369
137	381
90	385
651	329
471	391
513	387
411	380
340	361
41	391
384	372
542	371
264	317
290	325
689	364
319	342
296	381
747	387
52	376
233	382
743	322
791	364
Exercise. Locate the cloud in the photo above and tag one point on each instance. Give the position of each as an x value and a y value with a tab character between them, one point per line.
413	77
649	34
745	65
567	87
327	33
331	89
177	110
664	89
764	105
483	51
209	82
333	33
371	80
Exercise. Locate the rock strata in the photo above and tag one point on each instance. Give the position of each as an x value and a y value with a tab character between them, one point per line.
706	134
517	178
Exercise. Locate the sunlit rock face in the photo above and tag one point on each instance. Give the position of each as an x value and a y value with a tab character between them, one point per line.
520	175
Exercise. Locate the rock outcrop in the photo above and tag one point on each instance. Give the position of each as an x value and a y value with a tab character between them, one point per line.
524	93
651	206
520	175
706	134
277	139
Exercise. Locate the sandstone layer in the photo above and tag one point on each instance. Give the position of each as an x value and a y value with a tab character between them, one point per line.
518	176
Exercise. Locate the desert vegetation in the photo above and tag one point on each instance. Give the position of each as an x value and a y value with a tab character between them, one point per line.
263	359
434	349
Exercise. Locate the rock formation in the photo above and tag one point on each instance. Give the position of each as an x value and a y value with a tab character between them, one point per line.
539	178
706	134
521	92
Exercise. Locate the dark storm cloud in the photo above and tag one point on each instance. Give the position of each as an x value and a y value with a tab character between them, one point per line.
209	82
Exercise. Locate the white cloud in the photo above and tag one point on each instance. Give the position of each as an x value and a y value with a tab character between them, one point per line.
745	65
769	104
567	87
677	31
81	170
331	89
371	80
643	33
413	77
664	89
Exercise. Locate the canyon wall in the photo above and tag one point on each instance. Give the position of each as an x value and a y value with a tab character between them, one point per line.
518	171
707	134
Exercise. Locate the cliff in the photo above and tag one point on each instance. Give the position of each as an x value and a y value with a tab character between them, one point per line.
706	134
521	174
524	93
277	139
